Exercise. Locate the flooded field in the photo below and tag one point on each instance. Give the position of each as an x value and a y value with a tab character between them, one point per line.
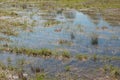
62	44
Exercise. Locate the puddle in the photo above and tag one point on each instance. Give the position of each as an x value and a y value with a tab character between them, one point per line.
75	31
77	34
81	26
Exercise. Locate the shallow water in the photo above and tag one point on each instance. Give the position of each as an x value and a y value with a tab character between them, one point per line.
52	66
81	26
76	31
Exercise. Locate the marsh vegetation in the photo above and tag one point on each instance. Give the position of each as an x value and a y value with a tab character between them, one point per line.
59	39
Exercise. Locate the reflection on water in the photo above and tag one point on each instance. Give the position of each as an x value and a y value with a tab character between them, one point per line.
77	32
49	65
81	26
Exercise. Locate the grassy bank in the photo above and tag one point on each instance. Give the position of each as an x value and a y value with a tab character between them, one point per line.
77	4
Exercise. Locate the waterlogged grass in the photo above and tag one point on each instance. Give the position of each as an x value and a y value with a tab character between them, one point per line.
7	13
65	42
11	22
95	57
2	76
82	57
4	39
52	5
39	52
51	23
66	54
8	27
113	71
34	52
40	76
10	72
67	68
54	53
58	54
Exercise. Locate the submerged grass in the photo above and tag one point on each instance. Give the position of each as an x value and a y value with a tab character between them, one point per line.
51	23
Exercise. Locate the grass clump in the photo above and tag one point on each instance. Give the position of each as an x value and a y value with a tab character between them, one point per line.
34	52
10	22
82	57
46	52
66	54
2	76
4	39
112	70
2	66
8	27
8	13
95	57
65	42
40	76
67	68
108	58
51	23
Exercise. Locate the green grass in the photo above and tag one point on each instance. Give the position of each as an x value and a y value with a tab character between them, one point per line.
40	76
112	70
66	54
34	52
77	4
51	23
65	42
95	57
7	27
2	76
82	57
4	12
67	68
